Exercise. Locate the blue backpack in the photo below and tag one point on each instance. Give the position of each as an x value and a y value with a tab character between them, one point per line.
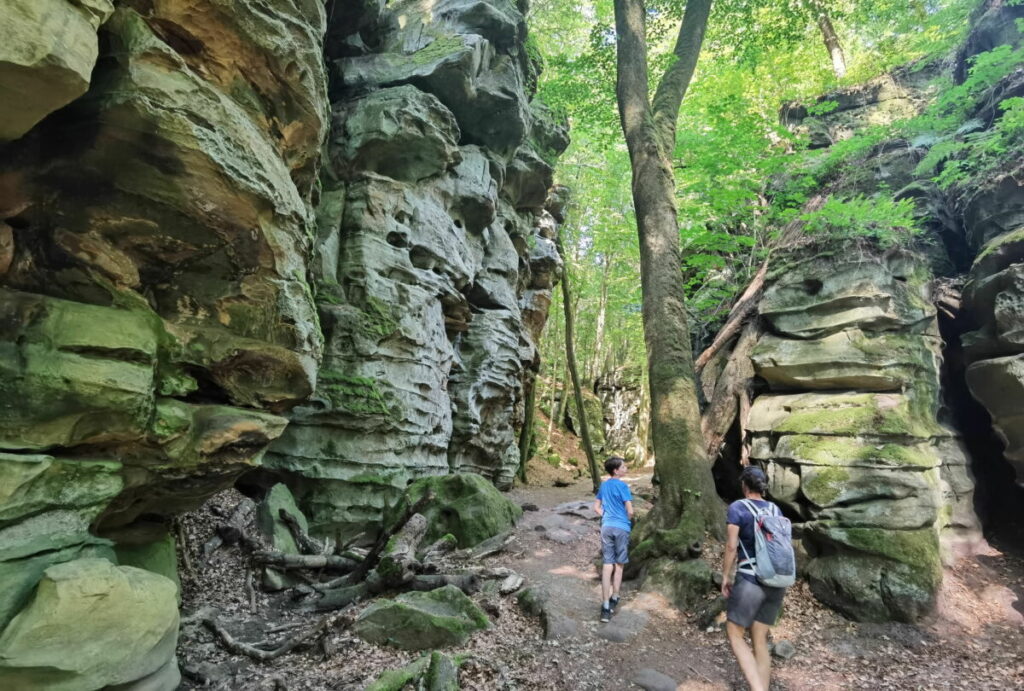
773	563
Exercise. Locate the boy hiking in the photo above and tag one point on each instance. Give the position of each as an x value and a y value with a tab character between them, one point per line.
615	507
753	604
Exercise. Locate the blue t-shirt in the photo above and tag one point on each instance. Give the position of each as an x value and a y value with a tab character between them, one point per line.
614	494
740	515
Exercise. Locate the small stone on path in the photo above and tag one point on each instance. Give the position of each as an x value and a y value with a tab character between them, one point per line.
783	650
652	680
558	626
529	507
561	536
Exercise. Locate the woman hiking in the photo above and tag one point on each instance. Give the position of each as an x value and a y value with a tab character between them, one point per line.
750	605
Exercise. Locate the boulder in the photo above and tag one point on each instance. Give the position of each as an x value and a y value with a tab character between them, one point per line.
845	414
47	54
422	620
270	523
465	505
483	89
874	574
91	624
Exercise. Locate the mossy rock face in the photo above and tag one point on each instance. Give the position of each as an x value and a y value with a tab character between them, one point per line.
684	583
91	624
422	621
874	574
464	505
999	385
158	557
847	414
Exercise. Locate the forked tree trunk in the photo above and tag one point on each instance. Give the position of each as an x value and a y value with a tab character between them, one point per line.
832	45
570	361
688	503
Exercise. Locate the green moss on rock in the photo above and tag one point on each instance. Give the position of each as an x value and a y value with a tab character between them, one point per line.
422	621
465	505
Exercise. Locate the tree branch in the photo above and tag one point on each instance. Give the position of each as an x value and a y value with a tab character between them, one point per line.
676	80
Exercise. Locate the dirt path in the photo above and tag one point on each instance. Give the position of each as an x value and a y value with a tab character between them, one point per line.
974	641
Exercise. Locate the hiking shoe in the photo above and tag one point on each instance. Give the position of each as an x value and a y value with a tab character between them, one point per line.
606	614
614	602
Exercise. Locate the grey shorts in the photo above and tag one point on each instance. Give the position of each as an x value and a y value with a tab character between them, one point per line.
750	602
614	545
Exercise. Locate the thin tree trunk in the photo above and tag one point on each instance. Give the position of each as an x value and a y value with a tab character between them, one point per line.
526	434
602	316
687	499
570	360
832	45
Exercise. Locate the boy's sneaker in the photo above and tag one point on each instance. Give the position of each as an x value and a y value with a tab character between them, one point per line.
614	603
606	614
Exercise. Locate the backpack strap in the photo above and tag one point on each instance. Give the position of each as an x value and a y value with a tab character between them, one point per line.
746	565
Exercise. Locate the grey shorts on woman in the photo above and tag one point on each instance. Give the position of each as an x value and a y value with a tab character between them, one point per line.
750	602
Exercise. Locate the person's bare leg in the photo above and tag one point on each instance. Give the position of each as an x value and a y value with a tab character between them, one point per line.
617	579
606	582
759	637
744	656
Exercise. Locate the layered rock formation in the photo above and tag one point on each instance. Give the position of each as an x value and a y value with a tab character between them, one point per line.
858	377
156	316
164	226
434	256
849	430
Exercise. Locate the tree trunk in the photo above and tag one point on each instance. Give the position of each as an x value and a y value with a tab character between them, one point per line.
526	434
687	503
570	361
832	45
596	364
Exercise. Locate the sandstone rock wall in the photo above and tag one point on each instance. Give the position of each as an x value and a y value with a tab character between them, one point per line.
849	430
434	256
857	382
156	209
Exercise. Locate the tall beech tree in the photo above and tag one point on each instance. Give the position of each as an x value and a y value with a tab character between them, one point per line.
688	503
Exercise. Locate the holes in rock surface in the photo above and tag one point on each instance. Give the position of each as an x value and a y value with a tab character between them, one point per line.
422	258
18	222
812	286
901	279
458	224
396	239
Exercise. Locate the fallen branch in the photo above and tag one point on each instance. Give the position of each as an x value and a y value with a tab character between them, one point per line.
336	598
466	582
305	543
330	562
382	540
398	563
744	307
233	530
257	653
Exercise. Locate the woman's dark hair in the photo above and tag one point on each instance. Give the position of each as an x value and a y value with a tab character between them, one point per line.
754	479
613	463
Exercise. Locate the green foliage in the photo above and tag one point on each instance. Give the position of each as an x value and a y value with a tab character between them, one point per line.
889	223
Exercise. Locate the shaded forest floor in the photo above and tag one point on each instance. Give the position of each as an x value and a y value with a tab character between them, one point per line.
975	640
